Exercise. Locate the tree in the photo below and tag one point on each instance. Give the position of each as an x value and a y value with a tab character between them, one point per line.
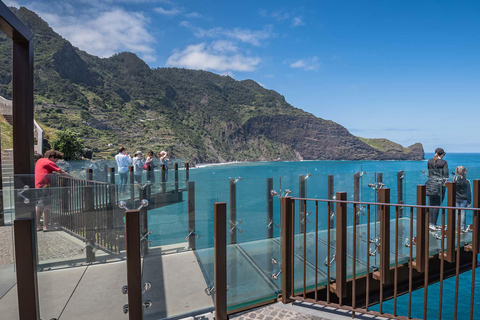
69	144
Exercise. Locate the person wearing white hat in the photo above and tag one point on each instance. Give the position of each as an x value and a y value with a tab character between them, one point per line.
138	166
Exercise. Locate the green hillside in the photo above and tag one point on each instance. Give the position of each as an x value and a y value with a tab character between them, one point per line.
197	115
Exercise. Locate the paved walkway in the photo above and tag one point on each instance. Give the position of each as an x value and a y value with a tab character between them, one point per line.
52	246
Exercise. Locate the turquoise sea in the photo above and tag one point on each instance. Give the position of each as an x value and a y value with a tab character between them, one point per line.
212	183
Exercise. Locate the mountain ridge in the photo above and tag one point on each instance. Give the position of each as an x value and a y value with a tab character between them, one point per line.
196	114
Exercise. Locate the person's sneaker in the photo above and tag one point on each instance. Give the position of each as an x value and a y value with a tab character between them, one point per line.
432	227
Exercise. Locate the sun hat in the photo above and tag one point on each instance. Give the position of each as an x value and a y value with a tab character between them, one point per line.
138	152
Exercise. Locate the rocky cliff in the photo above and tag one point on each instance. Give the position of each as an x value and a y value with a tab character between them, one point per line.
197	115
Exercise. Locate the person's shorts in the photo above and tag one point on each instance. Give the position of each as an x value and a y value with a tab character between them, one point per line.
44	197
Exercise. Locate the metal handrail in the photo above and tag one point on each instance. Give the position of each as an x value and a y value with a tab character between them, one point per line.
387	204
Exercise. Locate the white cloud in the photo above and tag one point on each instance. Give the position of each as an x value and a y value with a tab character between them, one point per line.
209	57
306	64
193	15
106	33
224	46
171	12
297	21
282	15
253	37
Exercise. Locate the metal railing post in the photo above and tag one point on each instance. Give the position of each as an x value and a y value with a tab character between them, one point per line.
134	270
379	181
451	217
89	218
269	208
164	185
176	177
132	187
400	177
331	196
191	215
187	171
233	212
105	173
476	218
340	285
421	221
356	194
384	195
301	204
288	214
220	264
144	220
26	265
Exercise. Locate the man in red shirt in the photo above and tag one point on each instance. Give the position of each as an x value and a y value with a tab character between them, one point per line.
43	169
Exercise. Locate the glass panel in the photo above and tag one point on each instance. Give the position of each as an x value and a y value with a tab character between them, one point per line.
8	277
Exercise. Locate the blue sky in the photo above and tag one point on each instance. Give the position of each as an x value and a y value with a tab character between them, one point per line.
403	70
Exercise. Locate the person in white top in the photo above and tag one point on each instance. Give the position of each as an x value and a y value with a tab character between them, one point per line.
123	162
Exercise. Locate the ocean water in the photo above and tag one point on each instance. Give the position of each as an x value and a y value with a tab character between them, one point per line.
212	184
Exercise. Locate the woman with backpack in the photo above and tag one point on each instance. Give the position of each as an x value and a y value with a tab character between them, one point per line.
435	185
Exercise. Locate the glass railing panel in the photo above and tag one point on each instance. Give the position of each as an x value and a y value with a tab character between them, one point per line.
8	276
72	273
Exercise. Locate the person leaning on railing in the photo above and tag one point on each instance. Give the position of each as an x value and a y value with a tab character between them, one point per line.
464	193
43	169
435	185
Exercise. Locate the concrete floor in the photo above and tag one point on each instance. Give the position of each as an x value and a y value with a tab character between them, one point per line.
94	291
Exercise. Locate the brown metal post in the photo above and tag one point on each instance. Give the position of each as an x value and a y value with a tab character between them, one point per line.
164	185
111	207
356	194
220	264
176	177
331	195
132	187
384	195
301	204
400	177
134	265
378	179
421	220
476	218
187	171
26	264
233	212
22	105
288	214
451	202
22	111
105	173
270	222
191	214
89	218
144	222
341	246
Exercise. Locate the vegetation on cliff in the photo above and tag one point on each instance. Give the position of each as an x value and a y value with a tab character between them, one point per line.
197	115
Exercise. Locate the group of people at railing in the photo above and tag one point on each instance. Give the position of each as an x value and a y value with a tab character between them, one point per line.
140	164
438	175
